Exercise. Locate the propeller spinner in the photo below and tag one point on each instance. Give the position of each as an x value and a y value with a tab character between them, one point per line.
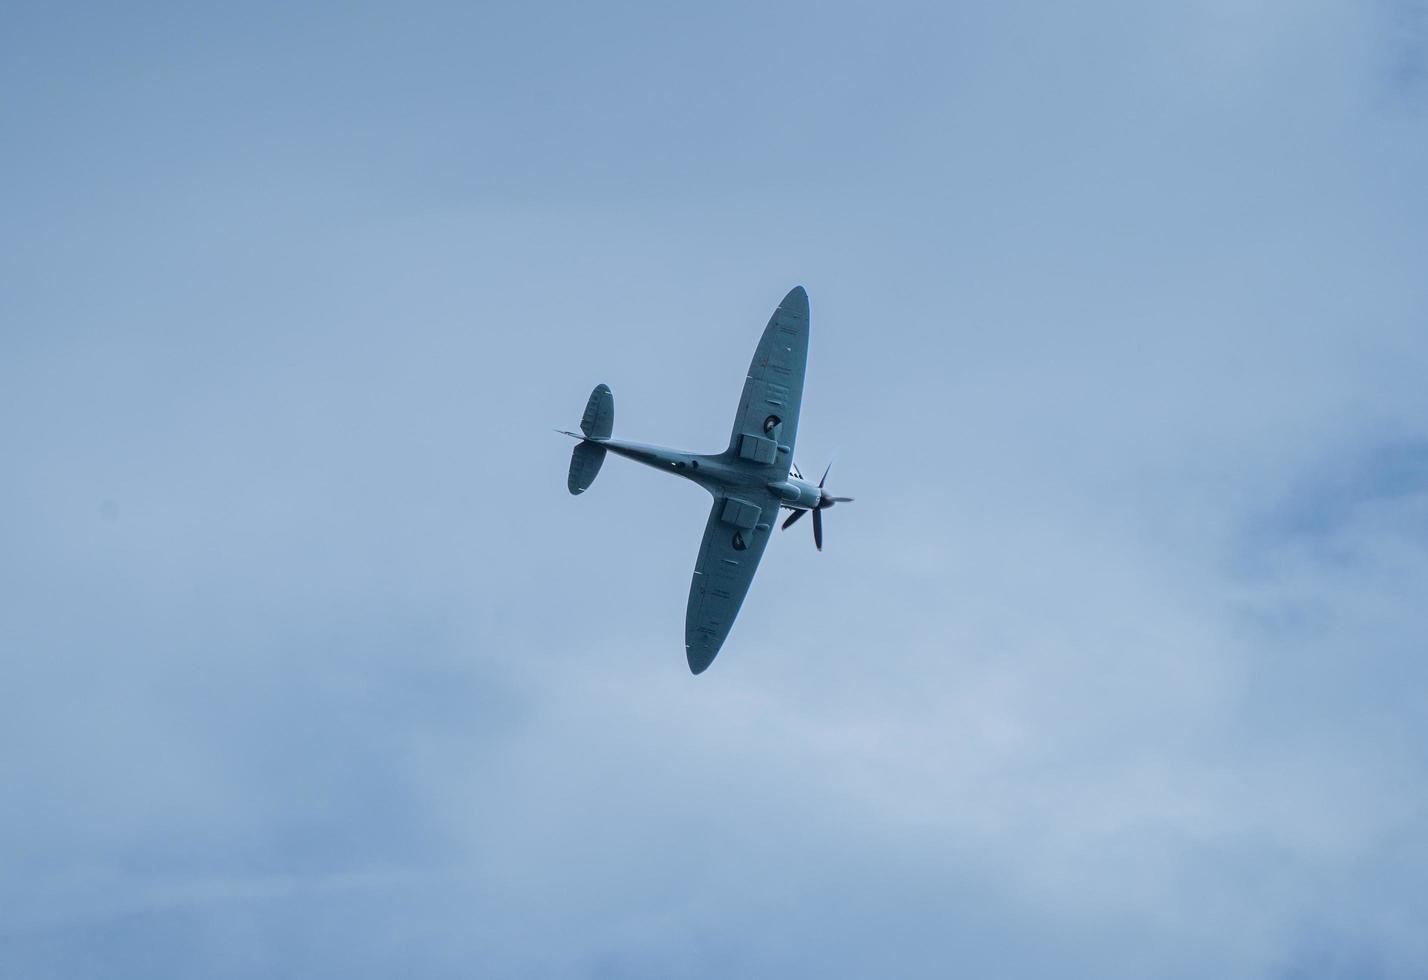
825	500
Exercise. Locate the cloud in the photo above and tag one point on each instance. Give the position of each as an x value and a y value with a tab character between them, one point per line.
311	664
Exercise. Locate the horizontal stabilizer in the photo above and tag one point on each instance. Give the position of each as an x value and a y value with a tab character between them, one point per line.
599	418
585	465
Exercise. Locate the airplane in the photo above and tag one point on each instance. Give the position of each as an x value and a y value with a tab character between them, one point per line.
750	480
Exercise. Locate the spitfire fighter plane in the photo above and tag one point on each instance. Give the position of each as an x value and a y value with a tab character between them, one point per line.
750	480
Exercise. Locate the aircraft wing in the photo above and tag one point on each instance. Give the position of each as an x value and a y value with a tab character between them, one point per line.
767	422
734	541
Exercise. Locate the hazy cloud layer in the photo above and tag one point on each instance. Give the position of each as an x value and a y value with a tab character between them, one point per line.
1115	667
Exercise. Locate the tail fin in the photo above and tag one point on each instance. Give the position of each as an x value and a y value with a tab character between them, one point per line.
599	418
597	423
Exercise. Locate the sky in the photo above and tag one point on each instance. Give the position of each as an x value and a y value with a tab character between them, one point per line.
310	665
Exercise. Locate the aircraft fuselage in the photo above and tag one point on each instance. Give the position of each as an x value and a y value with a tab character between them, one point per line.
714	472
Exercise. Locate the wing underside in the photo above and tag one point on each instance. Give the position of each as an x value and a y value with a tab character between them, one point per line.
740	520
767	422
734	540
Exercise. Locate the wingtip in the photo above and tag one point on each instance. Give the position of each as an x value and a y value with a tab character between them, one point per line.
698	662
796	301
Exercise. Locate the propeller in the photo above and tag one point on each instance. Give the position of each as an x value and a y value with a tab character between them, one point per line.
825	500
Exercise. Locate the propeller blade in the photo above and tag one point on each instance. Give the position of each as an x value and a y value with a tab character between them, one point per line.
797	475
818	530
792	517
825	474
841	500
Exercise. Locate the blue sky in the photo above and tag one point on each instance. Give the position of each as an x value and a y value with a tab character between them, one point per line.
312	666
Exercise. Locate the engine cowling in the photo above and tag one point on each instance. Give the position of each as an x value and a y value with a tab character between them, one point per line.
797	493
